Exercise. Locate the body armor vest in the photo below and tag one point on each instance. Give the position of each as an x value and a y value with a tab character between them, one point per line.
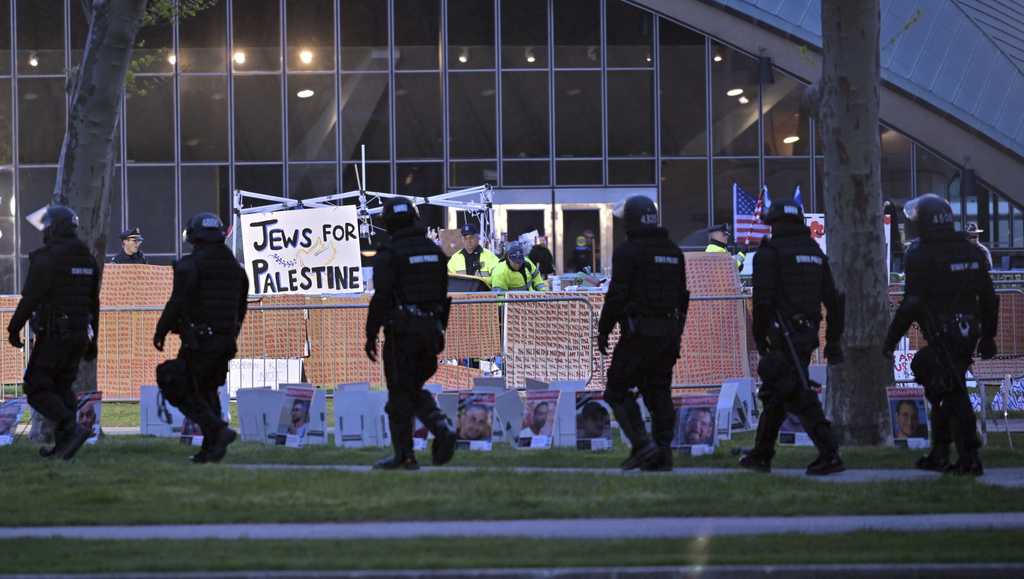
219	288
420	268
948	274
74	279
801	275
655	289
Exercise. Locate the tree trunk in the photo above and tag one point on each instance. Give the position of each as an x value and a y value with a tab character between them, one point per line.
848	111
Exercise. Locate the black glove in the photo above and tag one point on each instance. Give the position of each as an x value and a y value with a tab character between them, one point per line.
158	341
834	353
91	351
987	348
14	339
602	344
371	349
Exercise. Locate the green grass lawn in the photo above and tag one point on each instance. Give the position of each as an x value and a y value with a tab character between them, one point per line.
65	556
135	480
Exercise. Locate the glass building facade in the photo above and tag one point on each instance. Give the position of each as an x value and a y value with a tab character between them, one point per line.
281	96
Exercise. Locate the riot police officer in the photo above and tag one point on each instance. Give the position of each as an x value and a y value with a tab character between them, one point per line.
648	300
62	298
206	309
792	279
410	301
949	294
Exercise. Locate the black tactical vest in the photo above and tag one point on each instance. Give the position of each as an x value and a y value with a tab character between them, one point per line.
801	273
948	274
420	267
74	277
219	288
472	261
656	287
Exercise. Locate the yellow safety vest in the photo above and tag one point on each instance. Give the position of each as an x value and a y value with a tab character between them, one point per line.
740	256
526	279
488	261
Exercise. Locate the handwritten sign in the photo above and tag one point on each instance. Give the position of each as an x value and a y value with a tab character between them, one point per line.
308	251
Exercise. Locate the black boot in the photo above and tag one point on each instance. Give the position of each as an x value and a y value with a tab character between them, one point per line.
221	438
826	464
70	439
828	461
937	460
660	462
401	441
627	414
756	462
442	450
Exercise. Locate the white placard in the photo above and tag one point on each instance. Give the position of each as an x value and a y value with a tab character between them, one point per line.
293	441
262	373
481	445
307	251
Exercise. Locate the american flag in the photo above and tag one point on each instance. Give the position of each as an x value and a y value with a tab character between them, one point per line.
747	215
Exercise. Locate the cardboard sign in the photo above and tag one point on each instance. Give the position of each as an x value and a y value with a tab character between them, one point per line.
816	223
158	417
538	420
593	421
475	420
10	416
90	409
909	417
262	373
307	251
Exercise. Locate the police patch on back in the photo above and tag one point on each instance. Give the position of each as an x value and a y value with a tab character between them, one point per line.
666	260
431	258
809	259
963	266
82	271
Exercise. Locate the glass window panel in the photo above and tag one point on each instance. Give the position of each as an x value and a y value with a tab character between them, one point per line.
150	122
312	117
204	125
526	173
630	33
364	35
364	115
896	151
683	128
782	176
1018	227
8	208
35	188
8	283
418	116
6	154
378	177
999	221
5	38
935	175
257	30
578	114
743	172
734	88
630	114
151	207
153	50
577	33
40	36
306	181
578	173
417	34
115	220
524	109
819	185
422	180
471	174
786	130
631	172
470	34
42	116
524	34
205	188
202	40
266	179
310	34
684	200
472	112
258	118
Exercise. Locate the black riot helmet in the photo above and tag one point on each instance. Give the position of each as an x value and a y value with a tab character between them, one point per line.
787	210
205	228
928	214
398	213
639	212
59	221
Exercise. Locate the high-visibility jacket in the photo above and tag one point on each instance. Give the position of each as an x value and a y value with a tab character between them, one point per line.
528	278
457	263
715	248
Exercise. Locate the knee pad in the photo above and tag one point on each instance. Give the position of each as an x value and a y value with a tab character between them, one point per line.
173	380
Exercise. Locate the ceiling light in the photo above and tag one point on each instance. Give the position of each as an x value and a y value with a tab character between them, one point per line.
791	139
305	93
306	56
734	92
463	58
172	60
718	58
744	100
649	59
531	59
33	61
240	57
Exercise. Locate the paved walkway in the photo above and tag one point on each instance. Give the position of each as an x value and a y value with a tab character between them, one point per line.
1008	477
640	528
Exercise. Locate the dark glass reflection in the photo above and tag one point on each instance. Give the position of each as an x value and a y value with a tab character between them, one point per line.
307	181
684	200
6	118
40	36
578	173
151	207
734	94
417	34
257	36
524	109
312	117
577	33
472	174
631	172
205	188
896	178
470	34
266	179
525	173
418	116
42	116
630	34
310	34
524	34
364	35
378	177
782	176
5	38
785	127
150	122
35	188
472	111
364	116
742	172
258	118
578	114
202	40
630	114
683	86
204	125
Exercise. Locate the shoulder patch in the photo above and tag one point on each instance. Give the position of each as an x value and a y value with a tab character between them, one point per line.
964	266
82	271
431	258
809	259
666	260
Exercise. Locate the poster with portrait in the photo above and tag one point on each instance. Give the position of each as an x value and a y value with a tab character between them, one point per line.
293	425
593	421
10	416
538	425
191	433
909	417
476	413
420	432
792	430
695	422
90	409
815	222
